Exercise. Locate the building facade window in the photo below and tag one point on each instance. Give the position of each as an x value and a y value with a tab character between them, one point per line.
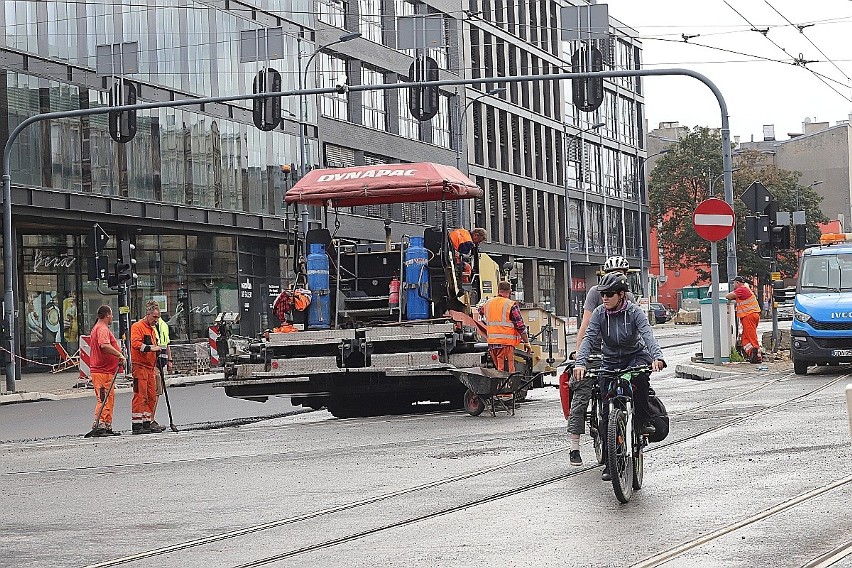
409	127
546	286
332	12
404	8
370	20
374	113
331	69
441	125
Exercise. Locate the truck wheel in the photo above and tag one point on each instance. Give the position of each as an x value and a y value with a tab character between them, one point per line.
800	367
472	403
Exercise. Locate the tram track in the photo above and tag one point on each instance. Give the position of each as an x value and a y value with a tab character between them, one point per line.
296	454
826	560
490	498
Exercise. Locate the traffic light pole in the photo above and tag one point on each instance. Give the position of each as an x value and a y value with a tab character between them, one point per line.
124	321
10	266
772	266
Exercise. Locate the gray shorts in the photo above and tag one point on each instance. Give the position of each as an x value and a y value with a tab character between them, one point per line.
581	393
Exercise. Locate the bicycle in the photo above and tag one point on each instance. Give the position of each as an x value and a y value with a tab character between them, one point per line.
625	442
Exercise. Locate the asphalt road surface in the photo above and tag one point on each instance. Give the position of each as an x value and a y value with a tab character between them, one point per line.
756	472
193	407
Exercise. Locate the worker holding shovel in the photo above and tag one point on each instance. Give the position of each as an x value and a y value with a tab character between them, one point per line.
106	358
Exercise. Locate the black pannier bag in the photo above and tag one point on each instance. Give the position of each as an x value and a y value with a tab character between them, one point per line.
659	417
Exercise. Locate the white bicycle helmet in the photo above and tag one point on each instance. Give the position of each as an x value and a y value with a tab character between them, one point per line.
616	263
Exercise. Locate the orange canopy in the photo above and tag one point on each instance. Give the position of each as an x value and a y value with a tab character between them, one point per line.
382	183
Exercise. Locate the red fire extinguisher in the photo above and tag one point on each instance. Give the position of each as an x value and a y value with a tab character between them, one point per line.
393	298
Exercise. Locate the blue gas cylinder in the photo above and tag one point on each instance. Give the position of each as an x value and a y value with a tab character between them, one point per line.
319	310
416	280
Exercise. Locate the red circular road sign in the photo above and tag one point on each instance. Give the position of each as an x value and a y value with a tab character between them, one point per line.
713	219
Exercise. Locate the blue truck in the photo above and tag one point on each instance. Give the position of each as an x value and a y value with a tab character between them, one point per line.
821	332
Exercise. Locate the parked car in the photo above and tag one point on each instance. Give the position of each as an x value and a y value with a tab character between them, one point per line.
661	313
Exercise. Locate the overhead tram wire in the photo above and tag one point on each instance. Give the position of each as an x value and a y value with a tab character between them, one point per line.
801	29
817	74
776	44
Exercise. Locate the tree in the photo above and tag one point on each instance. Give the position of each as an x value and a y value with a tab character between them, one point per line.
681	179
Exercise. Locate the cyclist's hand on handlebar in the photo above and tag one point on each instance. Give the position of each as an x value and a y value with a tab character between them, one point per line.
579	372
658	365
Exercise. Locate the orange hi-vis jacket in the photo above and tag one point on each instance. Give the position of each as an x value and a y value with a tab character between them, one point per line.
459	237
138	332
747	306
501	330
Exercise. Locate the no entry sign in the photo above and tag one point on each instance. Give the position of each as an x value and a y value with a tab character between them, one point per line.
713	219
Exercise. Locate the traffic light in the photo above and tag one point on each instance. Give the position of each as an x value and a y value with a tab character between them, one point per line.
122	125
779	291
801	237
98	268
125	266
780	237
266	112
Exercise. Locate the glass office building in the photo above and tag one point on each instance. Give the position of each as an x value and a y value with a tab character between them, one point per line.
199	190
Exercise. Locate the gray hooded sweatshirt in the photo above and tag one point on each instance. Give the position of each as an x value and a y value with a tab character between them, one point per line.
625	338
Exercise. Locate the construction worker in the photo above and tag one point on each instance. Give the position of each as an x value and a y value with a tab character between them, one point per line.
104	362
748	312
464	243
505	327
143	354
164	361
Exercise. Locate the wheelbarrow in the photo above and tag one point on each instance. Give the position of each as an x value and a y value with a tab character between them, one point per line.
490	388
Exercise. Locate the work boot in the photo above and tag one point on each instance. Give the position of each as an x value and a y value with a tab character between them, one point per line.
606	475
574	457
109	432
156	427
99	433
143	428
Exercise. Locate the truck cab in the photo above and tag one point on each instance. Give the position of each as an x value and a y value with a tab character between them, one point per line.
821	332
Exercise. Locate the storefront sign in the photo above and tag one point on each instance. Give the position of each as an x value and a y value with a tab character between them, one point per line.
578	284
40	260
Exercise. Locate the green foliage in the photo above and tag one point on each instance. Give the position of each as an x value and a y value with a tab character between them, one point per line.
735	356
681	179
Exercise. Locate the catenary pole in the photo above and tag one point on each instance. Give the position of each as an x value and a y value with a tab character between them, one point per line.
11	272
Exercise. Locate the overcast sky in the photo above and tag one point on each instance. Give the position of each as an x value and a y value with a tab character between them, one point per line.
758	88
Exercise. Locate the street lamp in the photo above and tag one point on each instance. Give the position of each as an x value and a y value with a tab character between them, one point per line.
714	180
459	122
490	92
303	109
813	184
568	208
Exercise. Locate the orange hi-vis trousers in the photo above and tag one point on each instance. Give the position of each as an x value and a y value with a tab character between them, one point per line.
106	398
144	394
503	357
749	335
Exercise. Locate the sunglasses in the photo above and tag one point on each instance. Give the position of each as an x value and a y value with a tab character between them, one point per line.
609	294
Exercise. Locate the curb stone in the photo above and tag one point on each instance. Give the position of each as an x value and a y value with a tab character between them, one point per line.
697	373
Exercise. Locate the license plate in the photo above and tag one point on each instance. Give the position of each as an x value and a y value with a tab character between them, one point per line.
842	353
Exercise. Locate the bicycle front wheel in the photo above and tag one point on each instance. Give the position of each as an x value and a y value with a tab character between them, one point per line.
619	455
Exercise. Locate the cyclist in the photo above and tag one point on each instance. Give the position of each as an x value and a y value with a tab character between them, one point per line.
581	390
624	334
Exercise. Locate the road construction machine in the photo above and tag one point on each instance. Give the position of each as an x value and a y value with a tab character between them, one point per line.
387	321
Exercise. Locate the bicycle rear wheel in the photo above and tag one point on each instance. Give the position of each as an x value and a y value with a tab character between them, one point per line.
638	461
594	425
619	455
